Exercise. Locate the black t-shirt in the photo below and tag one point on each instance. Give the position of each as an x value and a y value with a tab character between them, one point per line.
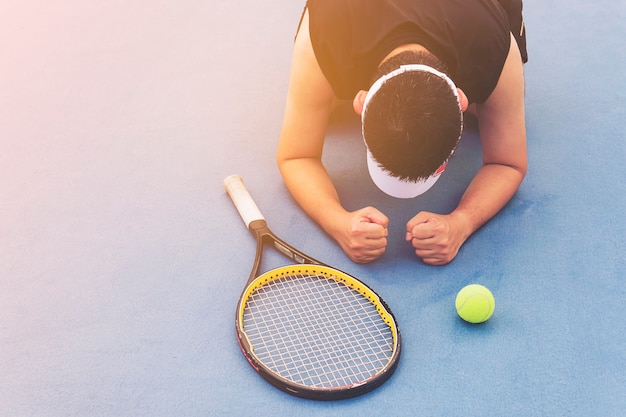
351	37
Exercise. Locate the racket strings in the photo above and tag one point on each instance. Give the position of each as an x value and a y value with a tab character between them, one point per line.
317	332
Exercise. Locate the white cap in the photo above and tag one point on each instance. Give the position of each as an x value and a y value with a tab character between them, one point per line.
396	187
384	180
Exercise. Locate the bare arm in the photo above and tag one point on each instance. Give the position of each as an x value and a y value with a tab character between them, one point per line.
361	234
437	238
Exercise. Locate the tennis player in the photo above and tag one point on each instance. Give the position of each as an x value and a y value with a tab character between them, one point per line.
411	69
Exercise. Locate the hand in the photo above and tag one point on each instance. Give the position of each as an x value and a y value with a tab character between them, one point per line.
363	234
436	238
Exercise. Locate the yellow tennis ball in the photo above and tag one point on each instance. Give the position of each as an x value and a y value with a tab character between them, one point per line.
475	303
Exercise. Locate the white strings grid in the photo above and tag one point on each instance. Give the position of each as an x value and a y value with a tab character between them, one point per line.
317	332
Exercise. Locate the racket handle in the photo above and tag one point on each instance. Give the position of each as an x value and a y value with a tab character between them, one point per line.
242	199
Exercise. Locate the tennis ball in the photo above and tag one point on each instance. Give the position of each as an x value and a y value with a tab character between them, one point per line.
475	303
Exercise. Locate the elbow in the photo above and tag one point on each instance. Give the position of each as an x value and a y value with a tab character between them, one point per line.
281	160
521	168
515	171
517	164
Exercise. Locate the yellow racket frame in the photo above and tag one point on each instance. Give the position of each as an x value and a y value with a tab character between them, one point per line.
327	272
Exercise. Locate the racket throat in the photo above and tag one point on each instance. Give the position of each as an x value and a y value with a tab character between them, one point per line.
289	253
265	235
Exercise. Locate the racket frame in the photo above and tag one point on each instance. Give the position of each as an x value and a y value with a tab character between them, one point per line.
257	225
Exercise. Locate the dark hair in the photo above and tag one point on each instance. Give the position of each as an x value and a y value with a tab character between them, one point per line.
412	124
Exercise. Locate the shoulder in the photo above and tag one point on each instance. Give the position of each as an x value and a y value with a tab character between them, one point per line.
501	118
308	104
306	74
510	85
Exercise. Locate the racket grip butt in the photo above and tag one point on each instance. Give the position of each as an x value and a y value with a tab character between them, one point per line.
242	199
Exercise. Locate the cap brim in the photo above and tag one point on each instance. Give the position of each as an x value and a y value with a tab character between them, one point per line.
396	187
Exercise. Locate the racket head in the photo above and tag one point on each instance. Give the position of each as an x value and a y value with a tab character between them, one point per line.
347	340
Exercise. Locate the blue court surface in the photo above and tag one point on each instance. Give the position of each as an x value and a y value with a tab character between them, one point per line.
122	258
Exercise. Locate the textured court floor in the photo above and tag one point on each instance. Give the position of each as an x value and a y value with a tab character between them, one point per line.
122	259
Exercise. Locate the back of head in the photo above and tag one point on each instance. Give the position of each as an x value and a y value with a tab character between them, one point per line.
413	122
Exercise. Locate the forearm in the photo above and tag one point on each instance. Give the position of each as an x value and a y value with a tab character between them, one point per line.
491	189
311	187
362	234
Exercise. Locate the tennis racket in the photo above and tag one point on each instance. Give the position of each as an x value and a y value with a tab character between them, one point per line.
311	330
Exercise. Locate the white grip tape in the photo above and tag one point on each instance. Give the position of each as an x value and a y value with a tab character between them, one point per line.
242	199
